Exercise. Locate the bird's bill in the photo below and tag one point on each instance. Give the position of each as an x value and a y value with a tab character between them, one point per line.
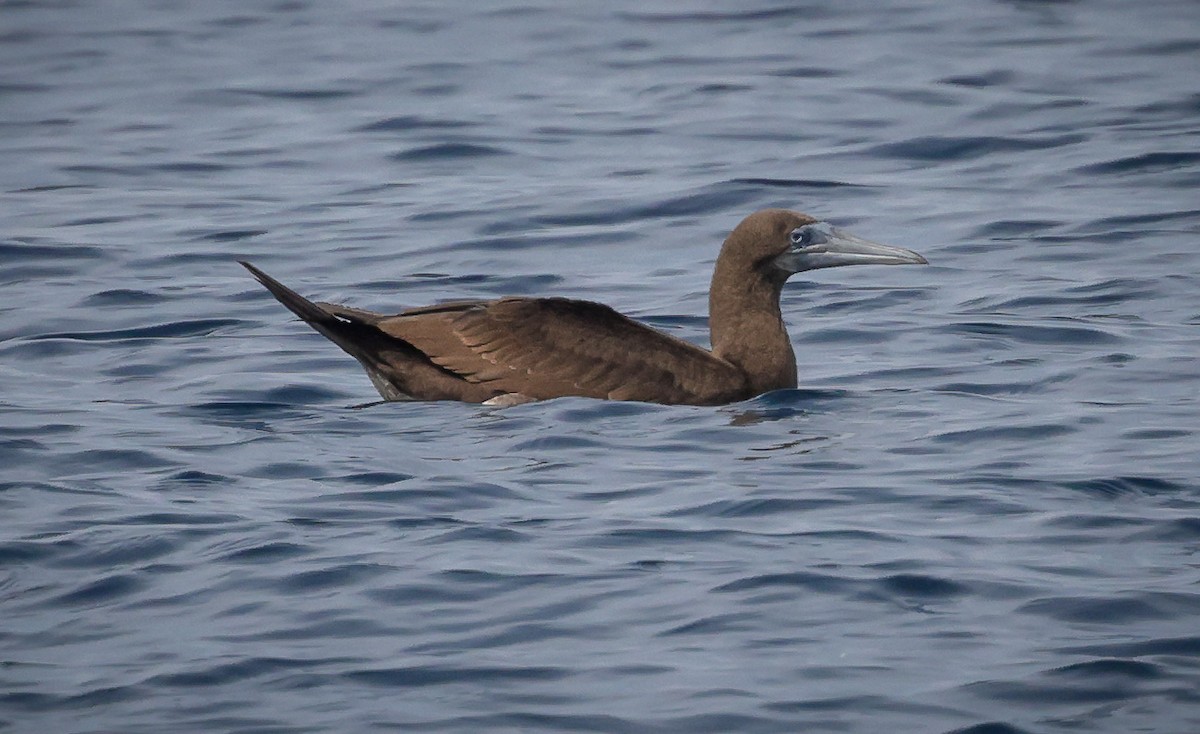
823	246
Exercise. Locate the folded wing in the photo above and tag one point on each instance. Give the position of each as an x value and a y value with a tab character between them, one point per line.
552	347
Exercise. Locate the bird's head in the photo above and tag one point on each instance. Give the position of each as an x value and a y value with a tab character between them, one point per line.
779	243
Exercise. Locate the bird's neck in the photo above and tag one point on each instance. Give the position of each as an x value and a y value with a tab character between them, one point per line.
748	330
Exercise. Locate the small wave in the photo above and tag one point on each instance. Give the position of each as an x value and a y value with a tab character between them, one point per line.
168	330
265	552
124	297
990	727
921	586
1125	485
432	675
807	12
1136	669
797	183
1034	333
233	672
404	123
448	151
1094	610
759	508
295	93
1144	163
1176	646
18	250
795	579
720	197
103	590
943	148
334	577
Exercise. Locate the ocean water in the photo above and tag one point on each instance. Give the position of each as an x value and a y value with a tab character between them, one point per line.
980	513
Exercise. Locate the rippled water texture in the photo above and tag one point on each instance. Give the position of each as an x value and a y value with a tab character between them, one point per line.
981	512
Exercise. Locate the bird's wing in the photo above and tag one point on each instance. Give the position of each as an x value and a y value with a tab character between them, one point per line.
553	347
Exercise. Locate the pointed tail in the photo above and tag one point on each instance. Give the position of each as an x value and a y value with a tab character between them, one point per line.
351	329
296	303
354	335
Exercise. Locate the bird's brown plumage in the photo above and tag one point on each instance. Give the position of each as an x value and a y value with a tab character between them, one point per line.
516	349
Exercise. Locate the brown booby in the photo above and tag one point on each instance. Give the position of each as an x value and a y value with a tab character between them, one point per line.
513	350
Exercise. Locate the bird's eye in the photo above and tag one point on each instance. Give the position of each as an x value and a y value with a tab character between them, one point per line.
801	236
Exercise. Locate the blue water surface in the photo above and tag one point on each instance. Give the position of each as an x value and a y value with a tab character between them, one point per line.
980	513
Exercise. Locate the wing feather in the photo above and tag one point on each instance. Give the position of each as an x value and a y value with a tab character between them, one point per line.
551	347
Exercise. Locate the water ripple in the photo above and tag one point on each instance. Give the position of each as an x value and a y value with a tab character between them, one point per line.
449	151
980	513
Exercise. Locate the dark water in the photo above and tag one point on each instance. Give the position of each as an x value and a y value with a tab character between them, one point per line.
980	514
